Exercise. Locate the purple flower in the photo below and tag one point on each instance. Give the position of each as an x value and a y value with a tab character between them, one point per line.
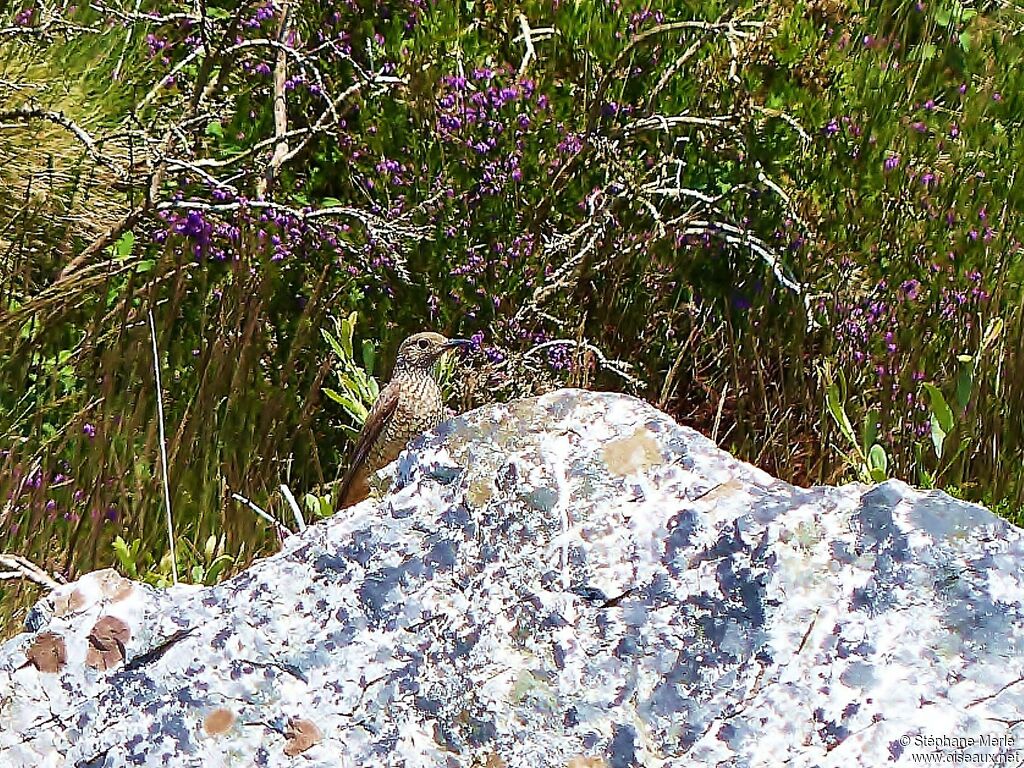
891	162
89	430
910	289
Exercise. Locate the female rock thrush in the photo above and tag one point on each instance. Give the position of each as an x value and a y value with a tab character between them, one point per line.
409	405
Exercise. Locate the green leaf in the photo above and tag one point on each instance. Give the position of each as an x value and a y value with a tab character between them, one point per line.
940	409
839	413
326	510
124	244
878	463
356	409
336	396
368	357
215	129
870	430
311	503
216	567
333	342
348	327
126	557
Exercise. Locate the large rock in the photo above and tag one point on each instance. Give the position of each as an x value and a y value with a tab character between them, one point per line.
573	580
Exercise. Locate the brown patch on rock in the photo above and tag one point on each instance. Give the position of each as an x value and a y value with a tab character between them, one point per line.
494	761
301	735
480	492
69	603
218	721
113	585
47	653
586	762
106	643
631	454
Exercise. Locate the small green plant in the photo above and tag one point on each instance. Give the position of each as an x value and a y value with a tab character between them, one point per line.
357	388
318	506
866	455
194	567
949	426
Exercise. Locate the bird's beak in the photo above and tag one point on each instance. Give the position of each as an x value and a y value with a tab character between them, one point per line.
462	344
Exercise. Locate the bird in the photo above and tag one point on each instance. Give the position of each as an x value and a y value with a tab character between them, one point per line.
409	405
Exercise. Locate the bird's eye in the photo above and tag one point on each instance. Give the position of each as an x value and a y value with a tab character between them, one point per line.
423	343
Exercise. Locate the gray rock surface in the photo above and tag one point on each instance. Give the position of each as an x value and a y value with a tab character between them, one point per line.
573	580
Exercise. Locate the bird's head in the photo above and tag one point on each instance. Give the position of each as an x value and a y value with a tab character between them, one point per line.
422	350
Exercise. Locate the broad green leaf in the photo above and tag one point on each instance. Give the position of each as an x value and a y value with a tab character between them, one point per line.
940	409
333	342
878	463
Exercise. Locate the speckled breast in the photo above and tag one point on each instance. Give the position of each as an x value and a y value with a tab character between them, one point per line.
419	410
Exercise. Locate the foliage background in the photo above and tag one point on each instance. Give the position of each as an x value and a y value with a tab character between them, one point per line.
793	225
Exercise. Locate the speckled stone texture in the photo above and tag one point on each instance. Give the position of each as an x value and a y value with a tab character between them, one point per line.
573	580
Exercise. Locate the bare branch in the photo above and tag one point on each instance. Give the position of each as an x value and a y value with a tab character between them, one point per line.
618	367
280	110
59	118
23	568
527	38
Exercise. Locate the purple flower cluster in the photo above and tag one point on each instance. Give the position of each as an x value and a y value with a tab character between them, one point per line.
489	113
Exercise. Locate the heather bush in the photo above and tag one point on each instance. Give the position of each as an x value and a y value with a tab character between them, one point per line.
792	225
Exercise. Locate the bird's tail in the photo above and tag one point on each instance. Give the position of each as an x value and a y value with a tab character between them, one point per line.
355	486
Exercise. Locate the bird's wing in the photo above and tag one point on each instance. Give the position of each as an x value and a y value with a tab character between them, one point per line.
381	411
